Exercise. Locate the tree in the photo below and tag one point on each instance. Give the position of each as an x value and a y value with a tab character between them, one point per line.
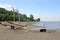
6	15
2	11
1	17
38	19
31	18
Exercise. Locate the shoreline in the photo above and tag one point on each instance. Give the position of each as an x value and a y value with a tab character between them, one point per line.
7	34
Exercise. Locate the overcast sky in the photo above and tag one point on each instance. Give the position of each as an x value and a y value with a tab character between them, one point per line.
47	10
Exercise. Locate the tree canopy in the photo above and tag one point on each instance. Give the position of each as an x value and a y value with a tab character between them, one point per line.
8	16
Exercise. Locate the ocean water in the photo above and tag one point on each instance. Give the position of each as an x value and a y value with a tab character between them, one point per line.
49	24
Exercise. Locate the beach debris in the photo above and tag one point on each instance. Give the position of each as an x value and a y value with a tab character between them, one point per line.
43	29
13	25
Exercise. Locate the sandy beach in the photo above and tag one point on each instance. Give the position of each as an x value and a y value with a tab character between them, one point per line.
7	34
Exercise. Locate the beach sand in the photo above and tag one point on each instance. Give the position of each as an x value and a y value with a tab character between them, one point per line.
7	34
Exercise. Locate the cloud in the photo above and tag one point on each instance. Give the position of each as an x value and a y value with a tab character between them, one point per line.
7	6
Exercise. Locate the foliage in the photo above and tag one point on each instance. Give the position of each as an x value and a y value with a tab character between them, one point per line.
31	18
37	19
8	16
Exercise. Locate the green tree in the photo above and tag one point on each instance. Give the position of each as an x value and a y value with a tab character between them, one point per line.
1	17
31	17
38	19
2	11
5	15
8	15
24	17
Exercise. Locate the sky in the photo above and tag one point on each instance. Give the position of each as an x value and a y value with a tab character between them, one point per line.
46	10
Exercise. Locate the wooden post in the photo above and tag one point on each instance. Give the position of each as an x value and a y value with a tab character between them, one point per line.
13	27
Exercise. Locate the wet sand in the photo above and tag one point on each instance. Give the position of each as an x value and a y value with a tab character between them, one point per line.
7	34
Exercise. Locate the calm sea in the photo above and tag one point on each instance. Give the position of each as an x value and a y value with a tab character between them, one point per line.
49	24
